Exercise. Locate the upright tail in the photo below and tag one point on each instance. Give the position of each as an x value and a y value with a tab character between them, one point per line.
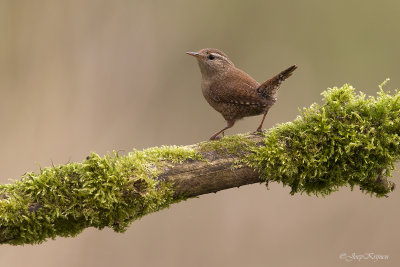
269	88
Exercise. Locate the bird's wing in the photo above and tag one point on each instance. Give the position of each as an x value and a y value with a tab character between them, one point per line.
239	95
237	89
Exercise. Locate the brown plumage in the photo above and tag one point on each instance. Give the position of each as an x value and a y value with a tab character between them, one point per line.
231	91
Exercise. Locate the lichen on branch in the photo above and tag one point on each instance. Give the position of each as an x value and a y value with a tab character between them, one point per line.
349	140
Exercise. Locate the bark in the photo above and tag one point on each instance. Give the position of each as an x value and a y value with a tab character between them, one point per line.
219	172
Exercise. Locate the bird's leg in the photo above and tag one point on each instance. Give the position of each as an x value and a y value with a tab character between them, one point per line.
230	124
259	129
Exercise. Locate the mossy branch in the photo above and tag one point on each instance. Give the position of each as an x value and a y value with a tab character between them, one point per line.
349	140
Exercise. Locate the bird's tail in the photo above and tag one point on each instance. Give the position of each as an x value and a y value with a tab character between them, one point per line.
269	88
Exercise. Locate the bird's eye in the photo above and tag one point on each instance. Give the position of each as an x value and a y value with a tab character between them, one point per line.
211	57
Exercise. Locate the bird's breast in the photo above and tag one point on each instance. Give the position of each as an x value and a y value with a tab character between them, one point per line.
208	89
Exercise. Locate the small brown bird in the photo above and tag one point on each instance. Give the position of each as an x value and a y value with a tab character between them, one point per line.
231	91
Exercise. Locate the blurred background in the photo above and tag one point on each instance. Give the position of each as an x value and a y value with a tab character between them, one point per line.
96	75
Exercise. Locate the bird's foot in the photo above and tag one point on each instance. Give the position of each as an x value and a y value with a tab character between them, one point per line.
214	138
259	131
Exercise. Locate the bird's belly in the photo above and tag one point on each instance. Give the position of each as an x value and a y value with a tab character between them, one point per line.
233	112
218	106
237	112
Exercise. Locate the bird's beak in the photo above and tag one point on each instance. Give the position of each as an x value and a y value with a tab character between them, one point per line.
195	54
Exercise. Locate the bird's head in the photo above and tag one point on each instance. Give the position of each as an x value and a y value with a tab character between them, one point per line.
212	61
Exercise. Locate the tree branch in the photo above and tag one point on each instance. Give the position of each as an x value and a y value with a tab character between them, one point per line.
348	141
219	169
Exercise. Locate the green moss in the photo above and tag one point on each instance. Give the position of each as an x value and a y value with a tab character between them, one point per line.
110	191
229	145
349	140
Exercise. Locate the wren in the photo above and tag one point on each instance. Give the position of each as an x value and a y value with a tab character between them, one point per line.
231	91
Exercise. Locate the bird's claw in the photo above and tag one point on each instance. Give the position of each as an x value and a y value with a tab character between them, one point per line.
259	131
215	138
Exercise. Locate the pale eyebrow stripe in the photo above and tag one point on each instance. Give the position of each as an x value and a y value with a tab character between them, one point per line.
220	56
